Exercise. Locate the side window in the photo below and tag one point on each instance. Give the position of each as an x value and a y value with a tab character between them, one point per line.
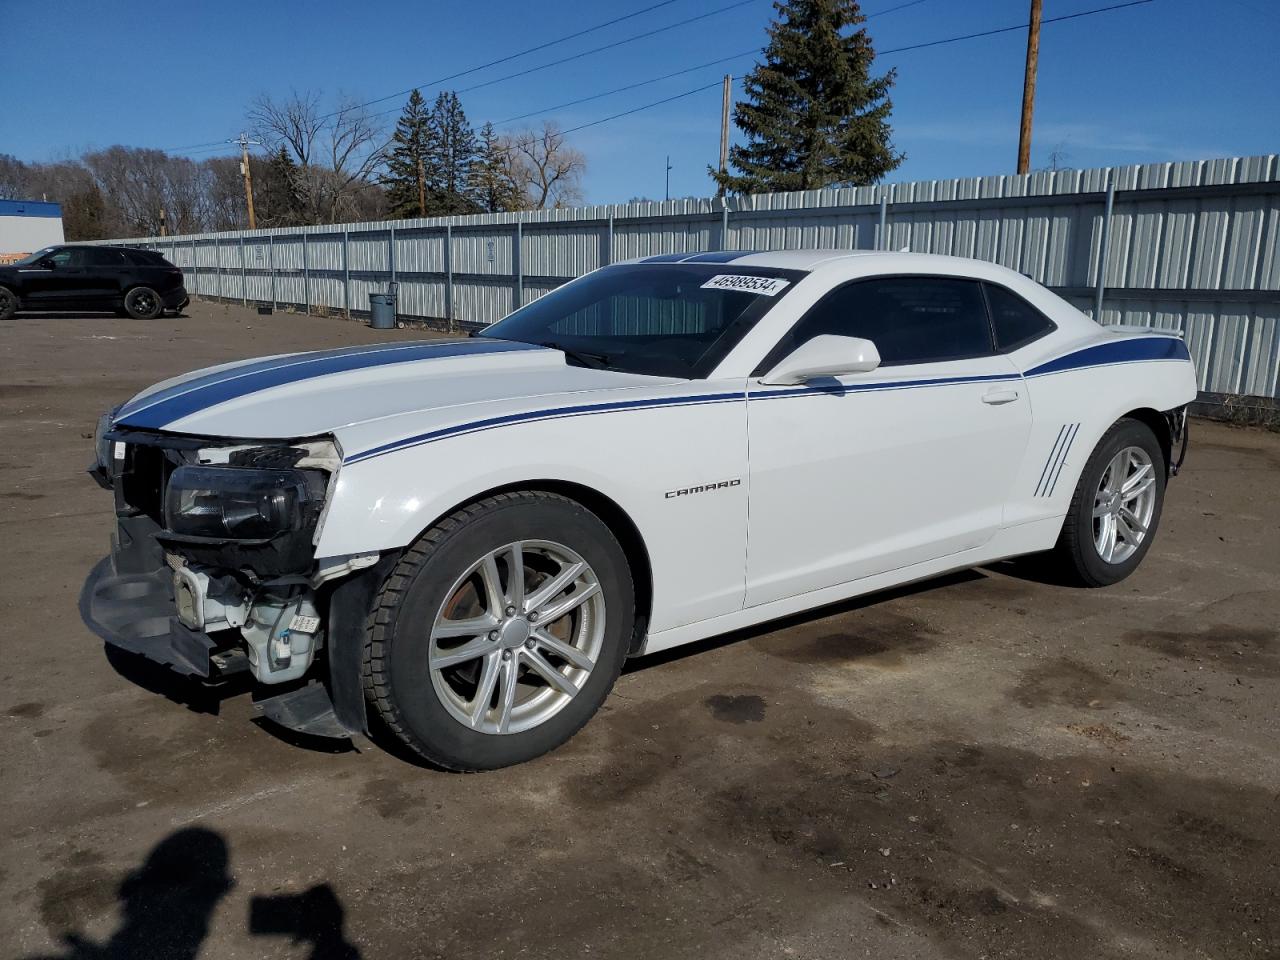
66	257
1016	322
909	319
104	257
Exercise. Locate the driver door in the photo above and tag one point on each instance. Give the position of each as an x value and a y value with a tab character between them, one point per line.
54	279
873	472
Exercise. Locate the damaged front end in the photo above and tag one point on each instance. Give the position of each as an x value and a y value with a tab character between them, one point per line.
213	573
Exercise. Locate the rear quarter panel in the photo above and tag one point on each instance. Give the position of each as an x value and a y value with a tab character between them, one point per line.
1078	389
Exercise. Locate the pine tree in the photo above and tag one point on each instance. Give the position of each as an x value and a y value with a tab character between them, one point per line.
276	197
451	151
492	187
409	158
814	116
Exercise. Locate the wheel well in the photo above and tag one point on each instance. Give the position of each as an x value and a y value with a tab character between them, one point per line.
618	521
1159	425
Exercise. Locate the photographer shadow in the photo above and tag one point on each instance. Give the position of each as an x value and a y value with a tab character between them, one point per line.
167	905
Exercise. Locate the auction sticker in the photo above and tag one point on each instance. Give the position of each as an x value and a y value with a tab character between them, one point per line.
767	286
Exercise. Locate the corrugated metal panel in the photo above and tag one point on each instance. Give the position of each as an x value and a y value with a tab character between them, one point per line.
1181	230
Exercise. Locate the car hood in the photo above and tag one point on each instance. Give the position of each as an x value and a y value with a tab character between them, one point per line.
310	394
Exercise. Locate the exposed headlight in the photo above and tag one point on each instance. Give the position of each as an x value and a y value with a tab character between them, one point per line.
236	503
104	463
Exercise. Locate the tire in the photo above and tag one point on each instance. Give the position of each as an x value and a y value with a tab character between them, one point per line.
143	303
436	708
8	304
1080	555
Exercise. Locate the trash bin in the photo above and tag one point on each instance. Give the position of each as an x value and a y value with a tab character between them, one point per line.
382	309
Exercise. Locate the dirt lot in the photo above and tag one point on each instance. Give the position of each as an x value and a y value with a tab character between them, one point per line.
985	766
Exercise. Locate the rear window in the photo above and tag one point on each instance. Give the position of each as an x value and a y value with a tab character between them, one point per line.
147	258
1014	321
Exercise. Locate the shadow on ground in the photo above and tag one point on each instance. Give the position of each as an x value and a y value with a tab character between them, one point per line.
167	905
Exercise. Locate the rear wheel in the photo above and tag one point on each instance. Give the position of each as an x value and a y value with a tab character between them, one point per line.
1115	509
500	632
8	304
143	303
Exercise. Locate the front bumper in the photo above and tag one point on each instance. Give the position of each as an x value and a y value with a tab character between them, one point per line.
128	602
175	299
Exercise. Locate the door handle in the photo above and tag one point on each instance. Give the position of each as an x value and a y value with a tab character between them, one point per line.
1005	395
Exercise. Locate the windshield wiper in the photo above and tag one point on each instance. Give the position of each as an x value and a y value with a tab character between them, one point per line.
596	361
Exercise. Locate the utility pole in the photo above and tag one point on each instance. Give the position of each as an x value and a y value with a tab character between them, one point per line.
1029	89
668	193
422	189
724	131
244	142
164	224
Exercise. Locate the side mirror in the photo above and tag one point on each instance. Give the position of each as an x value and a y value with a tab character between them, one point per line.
46	264
825	356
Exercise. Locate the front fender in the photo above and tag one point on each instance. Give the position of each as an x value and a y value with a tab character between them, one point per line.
696	544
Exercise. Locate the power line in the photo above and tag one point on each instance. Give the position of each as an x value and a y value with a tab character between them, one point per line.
667	76
584	53
696	90
918	46
513	56
569	59
1020	26
491	63
630	86
646	106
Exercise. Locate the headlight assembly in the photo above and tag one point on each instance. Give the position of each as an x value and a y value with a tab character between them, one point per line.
255	518
235	503
103	468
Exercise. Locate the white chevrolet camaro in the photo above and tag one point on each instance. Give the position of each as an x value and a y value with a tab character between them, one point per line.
463	540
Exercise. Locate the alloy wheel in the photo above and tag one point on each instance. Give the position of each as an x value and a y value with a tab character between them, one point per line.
517	637
1124	504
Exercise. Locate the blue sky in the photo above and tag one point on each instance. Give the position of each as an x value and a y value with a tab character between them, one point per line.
1168	80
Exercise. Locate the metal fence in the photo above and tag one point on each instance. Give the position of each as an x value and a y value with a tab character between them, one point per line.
1191	246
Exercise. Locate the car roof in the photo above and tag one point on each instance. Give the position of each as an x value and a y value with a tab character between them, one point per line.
102	246
863	261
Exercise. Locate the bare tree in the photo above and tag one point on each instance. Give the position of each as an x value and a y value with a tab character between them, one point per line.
14	178
544	168
295	122
336	153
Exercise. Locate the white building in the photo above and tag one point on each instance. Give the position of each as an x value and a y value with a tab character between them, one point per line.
28	225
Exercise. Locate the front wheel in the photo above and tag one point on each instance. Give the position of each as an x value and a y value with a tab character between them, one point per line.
143	303
1115	509
501	631
8	304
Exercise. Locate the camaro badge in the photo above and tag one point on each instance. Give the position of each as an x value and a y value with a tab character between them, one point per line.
705	488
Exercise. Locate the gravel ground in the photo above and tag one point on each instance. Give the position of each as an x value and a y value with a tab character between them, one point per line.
981	766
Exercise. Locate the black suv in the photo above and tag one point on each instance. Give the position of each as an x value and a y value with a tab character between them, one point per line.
140	283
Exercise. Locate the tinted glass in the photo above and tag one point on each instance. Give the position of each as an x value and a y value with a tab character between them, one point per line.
909	319
67	257
31	258
147	258
103	257
1016	322
656	319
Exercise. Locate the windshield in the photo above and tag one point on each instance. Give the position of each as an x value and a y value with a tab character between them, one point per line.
662	319
33	257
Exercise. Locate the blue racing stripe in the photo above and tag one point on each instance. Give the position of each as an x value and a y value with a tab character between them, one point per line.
719	256
1118	351
555	413
184	399
582	410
